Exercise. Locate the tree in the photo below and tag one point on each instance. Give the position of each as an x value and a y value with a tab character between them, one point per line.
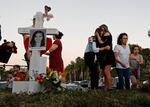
76	70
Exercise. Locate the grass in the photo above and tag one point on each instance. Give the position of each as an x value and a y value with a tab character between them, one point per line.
99	98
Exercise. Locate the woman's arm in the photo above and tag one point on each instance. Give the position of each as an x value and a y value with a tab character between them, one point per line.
118	59
132	57
96	50
29	54
53	47
140	61
108	41
99	38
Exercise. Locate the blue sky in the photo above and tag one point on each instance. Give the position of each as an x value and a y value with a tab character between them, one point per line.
77	19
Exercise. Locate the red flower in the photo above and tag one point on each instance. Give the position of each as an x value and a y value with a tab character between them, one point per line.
17	79
40	78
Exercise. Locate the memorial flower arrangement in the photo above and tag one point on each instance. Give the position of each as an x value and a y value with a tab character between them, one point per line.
51	80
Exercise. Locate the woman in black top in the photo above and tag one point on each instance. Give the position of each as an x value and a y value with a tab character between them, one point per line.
105	56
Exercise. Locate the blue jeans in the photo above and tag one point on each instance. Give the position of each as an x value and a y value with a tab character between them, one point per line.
123	74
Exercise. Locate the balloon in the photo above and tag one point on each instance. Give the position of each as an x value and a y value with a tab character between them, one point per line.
149	33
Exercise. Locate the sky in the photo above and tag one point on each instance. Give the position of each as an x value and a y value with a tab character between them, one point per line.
77	19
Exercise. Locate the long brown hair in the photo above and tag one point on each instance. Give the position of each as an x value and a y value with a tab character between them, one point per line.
103	28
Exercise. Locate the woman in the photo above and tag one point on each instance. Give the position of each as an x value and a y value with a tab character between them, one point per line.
38	39
28	52
89	57
105	56
135	61
55	53
122	55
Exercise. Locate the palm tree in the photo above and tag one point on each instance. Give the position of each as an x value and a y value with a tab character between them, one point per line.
82	68
77	70
68	73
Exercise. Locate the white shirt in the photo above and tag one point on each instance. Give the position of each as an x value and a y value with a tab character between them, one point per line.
124	54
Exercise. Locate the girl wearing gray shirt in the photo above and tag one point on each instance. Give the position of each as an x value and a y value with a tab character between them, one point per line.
136	60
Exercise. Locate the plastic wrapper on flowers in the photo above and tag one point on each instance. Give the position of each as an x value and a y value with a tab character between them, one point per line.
51	80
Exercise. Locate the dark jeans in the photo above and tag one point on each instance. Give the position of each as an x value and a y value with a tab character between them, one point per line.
94	75
123	75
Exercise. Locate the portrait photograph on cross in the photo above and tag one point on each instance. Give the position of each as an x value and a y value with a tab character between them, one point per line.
37	39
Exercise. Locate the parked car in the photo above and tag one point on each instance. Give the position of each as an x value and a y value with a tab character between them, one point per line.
70	86
85	83
3	84
77	82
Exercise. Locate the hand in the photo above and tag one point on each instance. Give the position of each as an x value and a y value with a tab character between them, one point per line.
97	34
123	65
107	47
47	53
138	61
90	39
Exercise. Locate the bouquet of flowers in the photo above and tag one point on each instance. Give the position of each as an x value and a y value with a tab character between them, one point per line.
51	80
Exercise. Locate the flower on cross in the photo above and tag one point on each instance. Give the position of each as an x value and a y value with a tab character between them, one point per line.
52	79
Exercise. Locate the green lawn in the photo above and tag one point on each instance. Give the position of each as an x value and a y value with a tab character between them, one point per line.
99	98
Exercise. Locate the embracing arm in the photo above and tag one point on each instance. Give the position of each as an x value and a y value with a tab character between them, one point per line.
95	49
99	38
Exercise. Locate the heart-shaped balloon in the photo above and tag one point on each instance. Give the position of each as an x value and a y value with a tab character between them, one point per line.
48	44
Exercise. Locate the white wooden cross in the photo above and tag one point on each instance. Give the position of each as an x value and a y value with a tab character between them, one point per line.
37	63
